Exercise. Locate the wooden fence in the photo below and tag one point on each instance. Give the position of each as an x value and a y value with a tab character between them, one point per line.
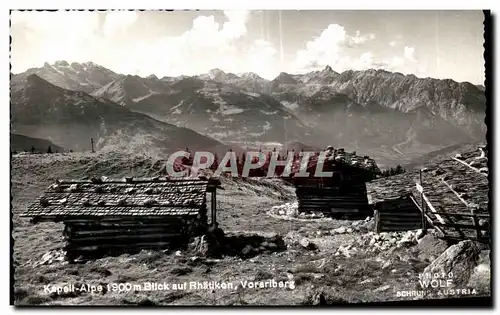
452	225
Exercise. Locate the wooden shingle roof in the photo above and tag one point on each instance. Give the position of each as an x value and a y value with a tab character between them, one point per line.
389	188
128	197
437	178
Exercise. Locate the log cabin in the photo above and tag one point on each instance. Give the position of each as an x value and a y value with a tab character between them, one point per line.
103	216
451	195
342	195
391	200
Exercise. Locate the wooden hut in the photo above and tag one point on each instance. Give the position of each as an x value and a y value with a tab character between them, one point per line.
341	195
104	216
450	195
393	205
454	195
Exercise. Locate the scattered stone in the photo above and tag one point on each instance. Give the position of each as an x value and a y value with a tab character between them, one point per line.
178	253
247	250
307	244
382	288
419	234
340	230
349	230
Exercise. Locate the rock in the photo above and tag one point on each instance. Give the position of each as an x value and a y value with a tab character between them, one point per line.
340	230
307	244
356	223
429	247
382	288
349	230
247	251
407	240
387	264
480	278
178	253
459	259
419	234
272	246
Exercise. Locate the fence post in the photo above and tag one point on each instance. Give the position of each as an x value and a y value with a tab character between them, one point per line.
476	224
422	205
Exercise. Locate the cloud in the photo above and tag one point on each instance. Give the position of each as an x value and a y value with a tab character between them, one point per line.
118	21
50	36
409	53
333	47
206	45
328	48
91	36
235	27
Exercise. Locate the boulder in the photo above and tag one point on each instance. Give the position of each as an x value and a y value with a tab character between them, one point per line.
430	247
459	259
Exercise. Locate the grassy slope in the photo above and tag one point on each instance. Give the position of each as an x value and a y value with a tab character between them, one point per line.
242	206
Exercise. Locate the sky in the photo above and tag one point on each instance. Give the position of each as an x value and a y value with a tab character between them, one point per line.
438	44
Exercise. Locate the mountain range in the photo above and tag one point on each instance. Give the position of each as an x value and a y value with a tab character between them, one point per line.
72	118
390	116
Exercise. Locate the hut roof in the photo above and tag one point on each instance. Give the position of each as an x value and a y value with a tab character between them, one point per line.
344	158
453	185
127	197
449	184
389	188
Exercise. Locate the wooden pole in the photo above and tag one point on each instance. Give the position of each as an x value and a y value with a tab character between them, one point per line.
424	228
92	144
213	203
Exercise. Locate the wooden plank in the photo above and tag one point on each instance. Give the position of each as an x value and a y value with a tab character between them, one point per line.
459	225
91	248
119	231
429	220
463	214
116	238
433	210
456	193
472	168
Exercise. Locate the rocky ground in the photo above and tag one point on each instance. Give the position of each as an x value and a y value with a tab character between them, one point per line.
312	259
